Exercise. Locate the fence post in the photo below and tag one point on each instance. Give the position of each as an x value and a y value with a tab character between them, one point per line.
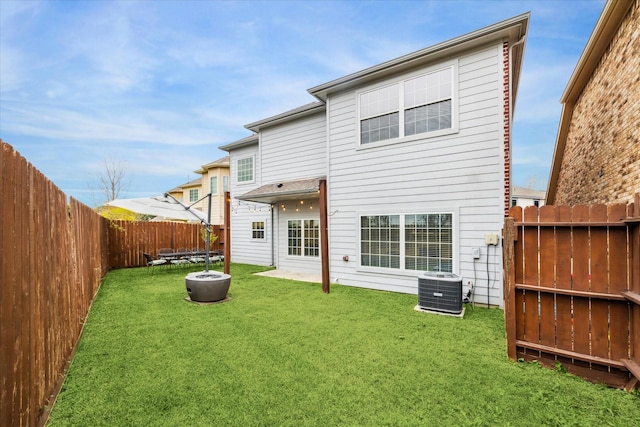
509	286
635	288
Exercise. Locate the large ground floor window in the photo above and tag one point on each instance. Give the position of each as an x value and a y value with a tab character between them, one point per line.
303	237
422	242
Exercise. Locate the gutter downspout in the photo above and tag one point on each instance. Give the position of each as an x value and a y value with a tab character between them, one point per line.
273	243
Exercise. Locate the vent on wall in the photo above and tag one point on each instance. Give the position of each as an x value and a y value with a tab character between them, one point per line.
440	292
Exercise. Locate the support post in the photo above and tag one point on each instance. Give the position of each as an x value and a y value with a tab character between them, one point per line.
509	286
324	237
634	236
227	232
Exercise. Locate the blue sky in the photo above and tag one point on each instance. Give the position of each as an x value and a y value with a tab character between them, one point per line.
159	85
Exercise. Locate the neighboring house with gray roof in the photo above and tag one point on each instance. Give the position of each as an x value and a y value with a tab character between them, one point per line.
522	196
410	160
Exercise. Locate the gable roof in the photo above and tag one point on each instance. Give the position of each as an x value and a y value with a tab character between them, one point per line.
513	29
193	183
526	193
220	163
607	26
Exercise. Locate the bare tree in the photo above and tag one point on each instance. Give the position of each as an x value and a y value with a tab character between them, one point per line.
113	180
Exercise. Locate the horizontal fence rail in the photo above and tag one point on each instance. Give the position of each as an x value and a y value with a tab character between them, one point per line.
571	277
53	256
54	252
129	240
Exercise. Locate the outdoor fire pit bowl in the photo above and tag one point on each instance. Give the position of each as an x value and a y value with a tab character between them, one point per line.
207	286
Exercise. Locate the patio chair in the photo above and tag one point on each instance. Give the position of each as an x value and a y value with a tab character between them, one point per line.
215	258
153	262
182	257
197	257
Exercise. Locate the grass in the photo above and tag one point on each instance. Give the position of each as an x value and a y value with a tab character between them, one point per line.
282	353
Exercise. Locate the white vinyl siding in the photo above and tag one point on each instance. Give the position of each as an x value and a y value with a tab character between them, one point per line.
460	170
293	151
245	249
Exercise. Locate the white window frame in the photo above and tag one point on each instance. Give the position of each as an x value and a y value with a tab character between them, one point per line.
399	83
402	242
193	195
253	170
225	183
304	238
255	229
213	184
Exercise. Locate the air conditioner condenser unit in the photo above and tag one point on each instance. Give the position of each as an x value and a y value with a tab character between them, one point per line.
440	292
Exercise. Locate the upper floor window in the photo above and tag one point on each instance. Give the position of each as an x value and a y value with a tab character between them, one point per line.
379	114
225	183
193	195
245	169
427	106
213	185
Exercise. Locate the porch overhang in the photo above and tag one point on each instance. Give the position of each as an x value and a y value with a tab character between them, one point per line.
284	190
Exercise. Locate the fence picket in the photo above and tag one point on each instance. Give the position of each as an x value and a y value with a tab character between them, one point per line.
547	279
572	265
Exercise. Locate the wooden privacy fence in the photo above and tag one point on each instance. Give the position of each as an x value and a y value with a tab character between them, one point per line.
129	240
53	253
572	289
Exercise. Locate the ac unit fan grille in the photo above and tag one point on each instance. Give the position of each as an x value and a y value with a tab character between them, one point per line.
440	295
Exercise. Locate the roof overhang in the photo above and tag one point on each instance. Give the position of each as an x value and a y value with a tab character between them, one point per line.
244	142
296	113
607	26
286	190
512	29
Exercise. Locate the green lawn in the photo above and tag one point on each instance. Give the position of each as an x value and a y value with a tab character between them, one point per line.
282	353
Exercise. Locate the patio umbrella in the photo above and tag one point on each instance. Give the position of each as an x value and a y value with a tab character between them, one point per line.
159	206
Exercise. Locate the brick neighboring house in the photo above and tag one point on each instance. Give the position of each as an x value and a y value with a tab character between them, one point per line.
597	153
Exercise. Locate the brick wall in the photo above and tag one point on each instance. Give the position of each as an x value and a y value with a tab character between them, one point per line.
601	161
506	128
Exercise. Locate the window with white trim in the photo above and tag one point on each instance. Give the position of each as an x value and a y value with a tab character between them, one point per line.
257	230
303	237
420	242
379	117
427	106
213	185
193	195
245	169
225	183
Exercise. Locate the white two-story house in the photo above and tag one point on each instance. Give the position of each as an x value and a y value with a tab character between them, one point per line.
398	169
